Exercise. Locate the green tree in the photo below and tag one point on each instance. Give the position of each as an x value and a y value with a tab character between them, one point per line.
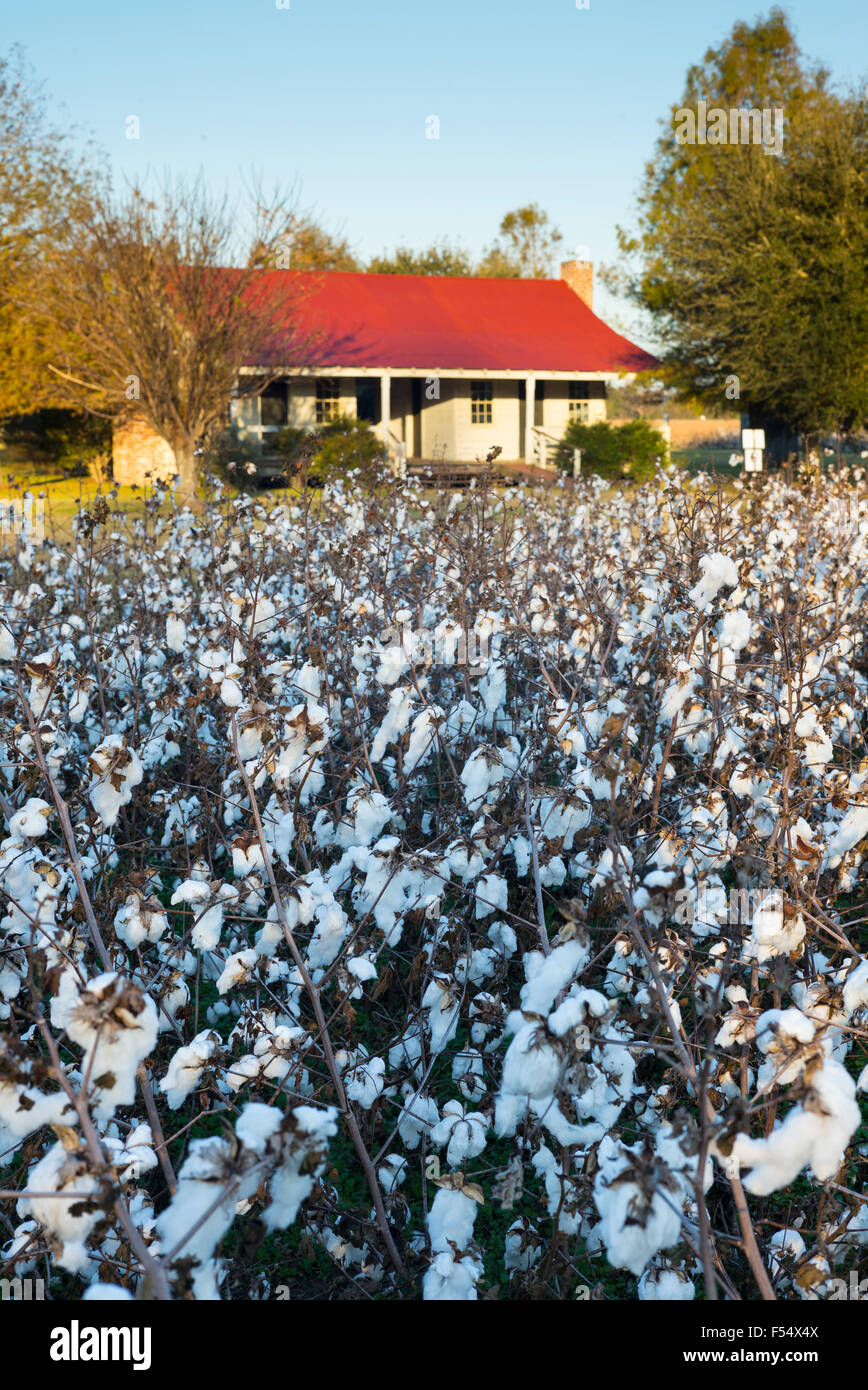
527	246
612	451
308	246
440	258
43	182
745	259
144	319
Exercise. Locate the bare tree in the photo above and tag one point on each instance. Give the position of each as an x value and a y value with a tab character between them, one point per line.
151	319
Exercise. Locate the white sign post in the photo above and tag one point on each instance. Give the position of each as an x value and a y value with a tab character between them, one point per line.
753	443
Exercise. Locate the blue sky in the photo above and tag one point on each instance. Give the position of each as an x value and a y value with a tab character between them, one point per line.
536	101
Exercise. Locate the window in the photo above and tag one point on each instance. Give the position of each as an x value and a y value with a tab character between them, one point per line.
481	396
272	405
578	406
328	400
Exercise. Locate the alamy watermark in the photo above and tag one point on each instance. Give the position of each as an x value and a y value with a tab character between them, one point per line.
717	126
442	646
23	516
22	1290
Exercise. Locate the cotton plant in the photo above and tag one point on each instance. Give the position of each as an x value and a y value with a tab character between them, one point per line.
481	881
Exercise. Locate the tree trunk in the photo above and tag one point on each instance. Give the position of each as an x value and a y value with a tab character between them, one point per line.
185	459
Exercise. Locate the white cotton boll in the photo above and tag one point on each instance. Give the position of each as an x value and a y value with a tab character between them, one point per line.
305	1147
788	1243
66	1225
116	1024
718	570
522	1247
237	969
665	1285
363	1076
451	1281
852	830
392	1173
491	895
423	738
443	1013
257	1124
7	644
107	1293
191	1225
814	1134
395	722
776	930
187	1065
483	773
856	988
532	1066
735	629
117	771
548	975
31	822
418	1117
246	856
450	1220
463	1132
176	633
140	919
332	930
362	968
245	1069
24	1109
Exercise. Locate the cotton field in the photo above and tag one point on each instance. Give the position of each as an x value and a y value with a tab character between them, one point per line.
449	896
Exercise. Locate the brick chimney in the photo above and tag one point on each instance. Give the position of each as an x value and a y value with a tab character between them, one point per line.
579	275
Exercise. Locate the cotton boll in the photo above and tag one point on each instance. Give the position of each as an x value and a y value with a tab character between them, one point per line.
392	1173
491	895
523	1247
735	629
139	920
117	771
237	970
31	822
418	1117
363	1076
785	1247
67	1223
107	1293
176	633
814	1134
450	1280
464	1132
116	1024
450	1220
665	1285
718	571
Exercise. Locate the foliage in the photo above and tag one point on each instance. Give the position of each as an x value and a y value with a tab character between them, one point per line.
440	258
66	439
612	451
752	264
145	318
43	180
347	445
527	246
405	895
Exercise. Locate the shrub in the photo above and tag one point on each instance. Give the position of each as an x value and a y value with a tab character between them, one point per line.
62	439
612	451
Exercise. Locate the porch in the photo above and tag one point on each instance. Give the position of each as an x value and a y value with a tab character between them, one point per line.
429	415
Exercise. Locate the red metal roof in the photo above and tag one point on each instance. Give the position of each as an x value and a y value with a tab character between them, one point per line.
442	322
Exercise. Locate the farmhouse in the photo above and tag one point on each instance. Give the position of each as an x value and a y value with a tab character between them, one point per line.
444	367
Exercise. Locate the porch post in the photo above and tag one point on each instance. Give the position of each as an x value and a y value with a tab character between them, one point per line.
529	400
385	406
